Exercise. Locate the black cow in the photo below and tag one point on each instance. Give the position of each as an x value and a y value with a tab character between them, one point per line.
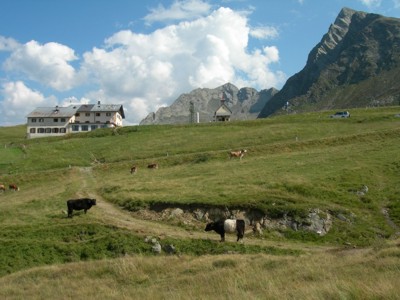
227	226
79	204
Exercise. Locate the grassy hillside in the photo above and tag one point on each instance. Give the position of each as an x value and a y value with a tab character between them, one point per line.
294	163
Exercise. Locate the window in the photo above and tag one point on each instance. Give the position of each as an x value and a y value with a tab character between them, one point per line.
41	120
87	122
62	119
93	127
77	114
55	120
85	128
97	114
40	130
33	120
48	130
54	130
75	127
63	130
87	114
108	114
32	130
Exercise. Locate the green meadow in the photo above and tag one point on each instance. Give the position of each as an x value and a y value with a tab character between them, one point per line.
294	163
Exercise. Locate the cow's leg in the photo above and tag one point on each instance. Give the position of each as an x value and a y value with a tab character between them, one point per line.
85	210
222	237
69	213
240	235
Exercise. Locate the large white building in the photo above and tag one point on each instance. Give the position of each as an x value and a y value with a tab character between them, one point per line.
56	121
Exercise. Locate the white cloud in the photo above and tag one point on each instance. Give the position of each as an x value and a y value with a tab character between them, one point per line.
264	32
47	64
179	10
8	44
371	3
146	71
18	101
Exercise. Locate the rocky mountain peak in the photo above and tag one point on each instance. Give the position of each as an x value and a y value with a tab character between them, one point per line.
355	64
245	104
337	31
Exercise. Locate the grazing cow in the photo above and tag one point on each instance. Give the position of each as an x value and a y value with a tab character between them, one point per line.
79	204
239	154
13	187
153	166
133	169
2	187
227	226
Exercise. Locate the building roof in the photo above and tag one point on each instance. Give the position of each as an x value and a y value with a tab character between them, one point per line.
223	110
69	111
50	112
85	107
109	108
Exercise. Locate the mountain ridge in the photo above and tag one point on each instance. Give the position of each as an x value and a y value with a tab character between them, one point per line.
245	103
354	65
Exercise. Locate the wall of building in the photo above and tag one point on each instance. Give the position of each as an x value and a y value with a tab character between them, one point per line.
84	122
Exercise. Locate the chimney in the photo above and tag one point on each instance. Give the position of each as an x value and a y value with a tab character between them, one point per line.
98	103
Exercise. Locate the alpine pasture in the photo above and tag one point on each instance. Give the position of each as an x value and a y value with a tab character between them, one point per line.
293	163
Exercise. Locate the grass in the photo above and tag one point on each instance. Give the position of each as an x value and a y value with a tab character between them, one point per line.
347	274
295	163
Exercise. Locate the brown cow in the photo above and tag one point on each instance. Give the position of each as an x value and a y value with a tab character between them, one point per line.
133	169
2	187
153	166
13	187
239	154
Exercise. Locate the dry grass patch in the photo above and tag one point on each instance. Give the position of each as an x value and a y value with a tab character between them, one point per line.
346	273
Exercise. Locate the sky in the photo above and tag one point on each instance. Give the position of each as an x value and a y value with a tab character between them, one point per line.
145	54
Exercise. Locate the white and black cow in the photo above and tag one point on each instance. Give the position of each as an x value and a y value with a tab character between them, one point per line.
227	226
79	204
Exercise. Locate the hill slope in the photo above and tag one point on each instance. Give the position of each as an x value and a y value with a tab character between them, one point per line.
295	164
356	64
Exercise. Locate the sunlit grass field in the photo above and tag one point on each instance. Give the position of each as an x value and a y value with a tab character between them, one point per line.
294	163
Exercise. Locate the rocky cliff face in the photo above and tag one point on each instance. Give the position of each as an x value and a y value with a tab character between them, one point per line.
356	64
245	104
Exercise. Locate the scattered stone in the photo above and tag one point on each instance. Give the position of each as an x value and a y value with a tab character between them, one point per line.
257	228
156	248
170	249
176	212
199	214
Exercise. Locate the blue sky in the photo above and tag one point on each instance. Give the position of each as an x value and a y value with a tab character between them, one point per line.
144	54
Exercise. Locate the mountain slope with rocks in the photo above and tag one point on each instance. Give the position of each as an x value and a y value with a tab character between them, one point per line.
245	104
356	64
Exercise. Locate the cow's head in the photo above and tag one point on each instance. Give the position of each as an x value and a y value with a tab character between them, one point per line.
93	201
210	226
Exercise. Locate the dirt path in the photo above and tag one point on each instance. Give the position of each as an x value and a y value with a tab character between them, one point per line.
112	214
116	216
